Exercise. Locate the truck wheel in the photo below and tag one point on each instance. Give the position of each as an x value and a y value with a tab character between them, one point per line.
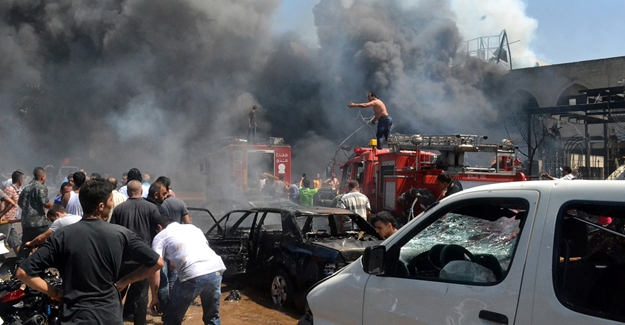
282	289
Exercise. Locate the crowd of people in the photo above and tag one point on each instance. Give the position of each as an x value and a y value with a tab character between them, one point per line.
109	241
135	239
302	192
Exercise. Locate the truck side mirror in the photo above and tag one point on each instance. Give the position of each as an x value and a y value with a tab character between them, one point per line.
373	260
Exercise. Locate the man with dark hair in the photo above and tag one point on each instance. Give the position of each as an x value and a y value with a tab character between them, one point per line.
134	174
567	174
385	224
66	187
167	182
334	182
60	218
33	200
355	202
70	200
88	255
381	116
157	194
138	215
12	230
95	176
306	194
200	272
175	208
124	179
448	185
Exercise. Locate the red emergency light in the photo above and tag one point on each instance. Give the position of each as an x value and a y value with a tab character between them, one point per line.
361	150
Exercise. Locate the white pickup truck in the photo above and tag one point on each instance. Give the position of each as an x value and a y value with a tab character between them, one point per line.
543	252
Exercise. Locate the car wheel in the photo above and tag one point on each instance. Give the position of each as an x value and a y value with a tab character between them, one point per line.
282	289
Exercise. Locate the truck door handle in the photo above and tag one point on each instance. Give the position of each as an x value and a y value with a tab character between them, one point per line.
494	317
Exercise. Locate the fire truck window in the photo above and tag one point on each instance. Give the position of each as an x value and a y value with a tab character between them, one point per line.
589	259
346	177
472	243
389	195
359	173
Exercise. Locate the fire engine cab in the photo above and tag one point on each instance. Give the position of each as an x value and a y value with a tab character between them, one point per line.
237	166
385	174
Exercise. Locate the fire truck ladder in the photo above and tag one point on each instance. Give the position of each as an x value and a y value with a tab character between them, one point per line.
452	147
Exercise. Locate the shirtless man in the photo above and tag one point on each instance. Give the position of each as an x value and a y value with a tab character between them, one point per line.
381	116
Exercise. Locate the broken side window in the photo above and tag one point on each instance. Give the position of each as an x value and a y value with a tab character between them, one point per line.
589	260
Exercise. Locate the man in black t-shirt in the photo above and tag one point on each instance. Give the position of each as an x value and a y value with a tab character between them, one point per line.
138	215
89	255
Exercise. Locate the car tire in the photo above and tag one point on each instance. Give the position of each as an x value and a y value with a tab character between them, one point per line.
282	289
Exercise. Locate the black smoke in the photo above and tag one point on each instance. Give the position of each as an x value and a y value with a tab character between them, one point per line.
113	84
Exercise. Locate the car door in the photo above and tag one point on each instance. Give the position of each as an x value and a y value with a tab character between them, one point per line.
267	238
202	218
461	263
582	258
230	239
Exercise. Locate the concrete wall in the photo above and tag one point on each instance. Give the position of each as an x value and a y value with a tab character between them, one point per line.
548	83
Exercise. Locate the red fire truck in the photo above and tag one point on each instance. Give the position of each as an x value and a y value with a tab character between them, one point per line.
385	174
237	166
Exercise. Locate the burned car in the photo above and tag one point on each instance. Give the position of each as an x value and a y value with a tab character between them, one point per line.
222	205
288	249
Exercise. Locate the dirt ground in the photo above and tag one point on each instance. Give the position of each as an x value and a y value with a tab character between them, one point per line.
254	308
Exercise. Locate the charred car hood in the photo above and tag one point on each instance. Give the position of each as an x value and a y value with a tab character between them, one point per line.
350	249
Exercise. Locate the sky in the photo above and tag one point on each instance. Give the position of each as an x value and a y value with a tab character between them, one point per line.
566	30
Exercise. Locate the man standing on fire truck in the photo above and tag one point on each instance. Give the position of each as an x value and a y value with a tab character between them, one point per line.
381	116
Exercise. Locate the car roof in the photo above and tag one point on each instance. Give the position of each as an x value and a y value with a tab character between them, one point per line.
576	189
309	210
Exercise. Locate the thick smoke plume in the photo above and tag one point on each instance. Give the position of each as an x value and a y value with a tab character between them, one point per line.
114	84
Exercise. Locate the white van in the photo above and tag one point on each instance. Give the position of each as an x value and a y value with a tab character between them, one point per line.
550	252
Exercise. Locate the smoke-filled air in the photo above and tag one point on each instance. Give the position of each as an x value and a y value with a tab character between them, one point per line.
108	85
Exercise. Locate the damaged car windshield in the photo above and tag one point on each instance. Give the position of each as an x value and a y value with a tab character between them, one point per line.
479	236
482	229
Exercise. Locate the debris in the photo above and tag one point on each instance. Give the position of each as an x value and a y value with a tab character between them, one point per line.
234	295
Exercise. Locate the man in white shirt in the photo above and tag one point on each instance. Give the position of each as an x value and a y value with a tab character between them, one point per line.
199	268
59	218
356	202
567	174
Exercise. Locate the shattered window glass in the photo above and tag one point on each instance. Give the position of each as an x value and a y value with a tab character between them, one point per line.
478	236
474	242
